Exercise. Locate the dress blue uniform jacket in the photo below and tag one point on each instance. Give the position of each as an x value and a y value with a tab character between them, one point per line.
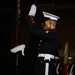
43	42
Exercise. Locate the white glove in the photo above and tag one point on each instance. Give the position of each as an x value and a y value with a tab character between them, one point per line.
18	48
32	11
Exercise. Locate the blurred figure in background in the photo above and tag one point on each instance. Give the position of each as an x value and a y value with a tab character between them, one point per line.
71	66
58	65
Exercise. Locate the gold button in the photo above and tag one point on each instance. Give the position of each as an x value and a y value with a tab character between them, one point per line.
40	40
39	44
32	21
38	48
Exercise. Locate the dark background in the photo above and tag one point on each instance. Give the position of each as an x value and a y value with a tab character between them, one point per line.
8	14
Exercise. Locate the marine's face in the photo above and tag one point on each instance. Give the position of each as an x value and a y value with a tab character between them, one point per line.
70	61
49	24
